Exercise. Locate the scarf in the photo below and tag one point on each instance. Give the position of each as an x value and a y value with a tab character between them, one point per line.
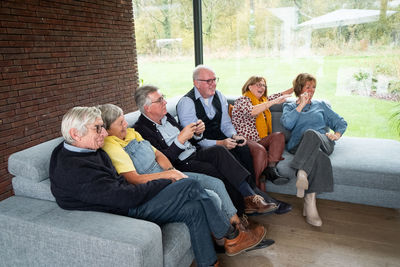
263	120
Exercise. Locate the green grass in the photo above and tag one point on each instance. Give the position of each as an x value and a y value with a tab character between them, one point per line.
366	116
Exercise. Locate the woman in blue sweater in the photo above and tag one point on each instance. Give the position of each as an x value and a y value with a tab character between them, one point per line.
311	142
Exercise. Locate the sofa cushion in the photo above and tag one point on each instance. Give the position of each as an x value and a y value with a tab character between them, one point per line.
176	243
27	187
33	163
374	162
354	163
277	126
39	233
171	105
132	117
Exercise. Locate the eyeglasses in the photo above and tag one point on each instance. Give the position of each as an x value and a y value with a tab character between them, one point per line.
99	128
259	85
159	100
209	81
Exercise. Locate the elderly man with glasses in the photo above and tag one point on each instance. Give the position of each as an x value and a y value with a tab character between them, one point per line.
83	178
157	126
203	102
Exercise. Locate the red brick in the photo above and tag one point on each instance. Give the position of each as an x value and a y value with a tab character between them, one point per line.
23	62
15	56
20	141
8	135
4	175
5	183
24	111
9	120
7	114
19	31
34	102
95	63
22	86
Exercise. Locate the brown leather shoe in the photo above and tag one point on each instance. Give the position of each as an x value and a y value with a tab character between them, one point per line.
252	225
245	240
257	204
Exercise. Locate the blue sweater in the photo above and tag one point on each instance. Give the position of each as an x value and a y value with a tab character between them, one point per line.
317	116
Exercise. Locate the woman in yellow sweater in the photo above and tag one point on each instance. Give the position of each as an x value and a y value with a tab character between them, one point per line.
139	162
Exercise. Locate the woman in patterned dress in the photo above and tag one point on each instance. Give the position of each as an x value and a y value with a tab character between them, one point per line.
252	119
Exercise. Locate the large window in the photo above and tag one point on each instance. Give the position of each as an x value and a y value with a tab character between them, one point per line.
352	47
164	41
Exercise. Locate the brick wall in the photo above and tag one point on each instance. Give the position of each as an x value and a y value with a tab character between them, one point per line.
55	55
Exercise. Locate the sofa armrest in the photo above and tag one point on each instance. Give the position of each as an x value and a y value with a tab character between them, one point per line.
39	233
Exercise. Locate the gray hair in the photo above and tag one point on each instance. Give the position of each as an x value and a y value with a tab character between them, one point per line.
109	113
198	69
78	118
141	96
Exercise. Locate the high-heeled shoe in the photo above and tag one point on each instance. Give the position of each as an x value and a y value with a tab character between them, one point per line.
310	210
301	183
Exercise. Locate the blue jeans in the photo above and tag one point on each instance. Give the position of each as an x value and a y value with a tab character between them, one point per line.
186	201
144	160
214	185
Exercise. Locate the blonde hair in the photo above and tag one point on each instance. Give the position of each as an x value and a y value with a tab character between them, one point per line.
253	80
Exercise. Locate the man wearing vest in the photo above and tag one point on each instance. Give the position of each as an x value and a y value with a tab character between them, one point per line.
164	133
205	103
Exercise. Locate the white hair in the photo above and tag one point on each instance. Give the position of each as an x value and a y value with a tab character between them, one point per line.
78	118
198	69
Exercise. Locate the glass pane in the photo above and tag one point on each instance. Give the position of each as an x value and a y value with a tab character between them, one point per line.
165	46
353	53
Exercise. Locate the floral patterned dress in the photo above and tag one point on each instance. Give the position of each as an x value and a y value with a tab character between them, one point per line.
244	123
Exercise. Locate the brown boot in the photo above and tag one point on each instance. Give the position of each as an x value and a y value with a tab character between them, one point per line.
248	224
246	239
257	204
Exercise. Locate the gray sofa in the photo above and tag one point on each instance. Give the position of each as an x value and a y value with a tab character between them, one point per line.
36	232
365	170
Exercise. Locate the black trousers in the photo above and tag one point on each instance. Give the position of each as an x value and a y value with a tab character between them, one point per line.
219	162
243	155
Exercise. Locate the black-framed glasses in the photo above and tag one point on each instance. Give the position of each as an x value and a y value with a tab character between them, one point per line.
209	81
99	128
159	100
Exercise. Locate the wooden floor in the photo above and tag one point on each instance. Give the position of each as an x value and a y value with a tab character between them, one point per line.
351	235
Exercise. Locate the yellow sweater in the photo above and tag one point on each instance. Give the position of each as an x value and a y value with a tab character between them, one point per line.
114	147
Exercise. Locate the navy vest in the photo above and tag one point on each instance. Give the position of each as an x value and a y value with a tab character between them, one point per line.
213	126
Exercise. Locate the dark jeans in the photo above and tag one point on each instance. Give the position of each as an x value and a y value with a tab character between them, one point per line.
218	162
185	201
